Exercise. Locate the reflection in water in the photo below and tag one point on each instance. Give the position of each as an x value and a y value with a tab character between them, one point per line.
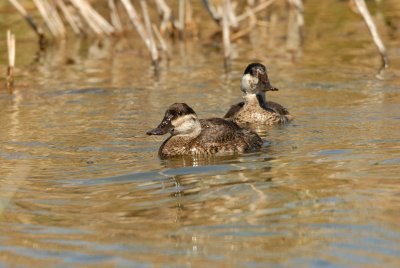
12	179
295	27
82	184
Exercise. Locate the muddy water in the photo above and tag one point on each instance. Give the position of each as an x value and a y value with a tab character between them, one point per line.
82	185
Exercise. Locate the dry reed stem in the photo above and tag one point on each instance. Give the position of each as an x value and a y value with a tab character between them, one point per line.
161	40
95	21
233	21
82	10
46	17
55	17
190	23
215	15
153	47
299	7
86	16
133	16
68	16
115	19
166	13
363	9
19	7
295	26
251	3
11	59
181	24
256	9
226	30
189	13
37	29
102	22
252	23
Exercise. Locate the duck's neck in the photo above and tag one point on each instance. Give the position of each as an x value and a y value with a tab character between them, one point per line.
256	99
189	130
180	144
261	99
196	130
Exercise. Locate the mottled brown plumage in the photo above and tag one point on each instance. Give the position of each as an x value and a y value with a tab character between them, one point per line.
253	113
255	110
270	104
191	136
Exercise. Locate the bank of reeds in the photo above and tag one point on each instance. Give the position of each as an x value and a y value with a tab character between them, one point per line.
155	21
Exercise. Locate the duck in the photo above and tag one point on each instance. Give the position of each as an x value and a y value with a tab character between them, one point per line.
255	109
193	136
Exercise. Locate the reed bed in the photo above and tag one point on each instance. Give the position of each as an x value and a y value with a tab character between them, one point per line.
155	21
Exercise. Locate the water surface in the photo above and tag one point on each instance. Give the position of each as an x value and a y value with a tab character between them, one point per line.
82	185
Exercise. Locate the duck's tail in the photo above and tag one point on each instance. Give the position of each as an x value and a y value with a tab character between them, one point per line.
289	117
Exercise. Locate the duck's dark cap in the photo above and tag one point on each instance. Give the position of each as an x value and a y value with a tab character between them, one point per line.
179	109
252	66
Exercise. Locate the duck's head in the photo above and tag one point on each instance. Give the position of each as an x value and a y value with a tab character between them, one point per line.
179	119
255	79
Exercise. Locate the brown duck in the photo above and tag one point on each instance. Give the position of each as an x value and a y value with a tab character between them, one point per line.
193	136
255	109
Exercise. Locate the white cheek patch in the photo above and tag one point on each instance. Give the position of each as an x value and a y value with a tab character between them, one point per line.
248	82
253	80
244	83
185	124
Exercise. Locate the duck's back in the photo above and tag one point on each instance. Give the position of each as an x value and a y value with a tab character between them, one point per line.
218	130
270	104
234	110
219	135
277	107
274	113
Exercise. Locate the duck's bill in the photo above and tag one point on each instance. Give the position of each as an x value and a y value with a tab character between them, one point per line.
162	128
157	131
270	88
266	85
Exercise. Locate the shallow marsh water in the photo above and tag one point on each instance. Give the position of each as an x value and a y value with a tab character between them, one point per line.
82	185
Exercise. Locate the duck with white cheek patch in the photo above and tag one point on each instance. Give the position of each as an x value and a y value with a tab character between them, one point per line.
255	109
193	136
